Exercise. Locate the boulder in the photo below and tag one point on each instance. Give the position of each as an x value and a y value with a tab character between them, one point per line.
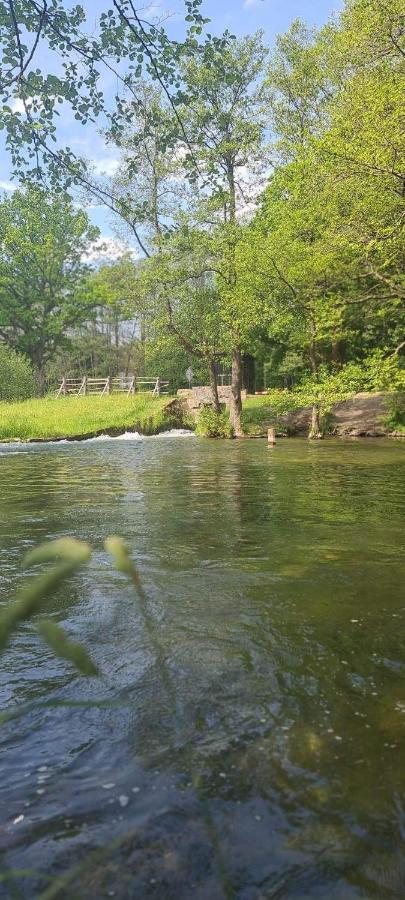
196	397
360	416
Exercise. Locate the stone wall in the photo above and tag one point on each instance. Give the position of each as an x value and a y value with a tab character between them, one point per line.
196	397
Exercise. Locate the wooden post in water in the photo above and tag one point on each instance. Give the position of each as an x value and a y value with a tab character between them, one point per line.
271	435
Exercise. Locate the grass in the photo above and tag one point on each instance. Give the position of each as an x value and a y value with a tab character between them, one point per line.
260	412
49	418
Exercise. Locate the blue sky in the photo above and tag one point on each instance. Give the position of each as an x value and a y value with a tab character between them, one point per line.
239	16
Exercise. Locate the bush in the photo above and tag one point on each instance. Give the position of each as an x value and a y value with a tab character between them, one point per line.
17	380
213	424
395	419
376	373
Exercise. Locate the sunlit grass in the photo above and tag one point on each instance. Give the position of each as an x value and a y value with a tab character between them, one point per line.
50	418
259	412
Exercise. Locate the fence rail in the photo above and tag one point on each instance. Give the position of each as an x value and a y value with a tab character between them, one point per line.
127	384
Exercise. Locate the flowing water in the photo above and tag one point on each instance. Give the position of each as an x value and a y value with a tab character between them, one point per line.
246	737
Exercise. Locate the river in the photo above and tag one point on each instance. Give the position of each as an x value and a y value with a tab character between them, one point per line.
246	736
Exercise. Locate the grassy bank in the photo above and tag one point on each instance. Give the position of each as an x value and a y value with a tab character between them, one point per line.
68	417
258	413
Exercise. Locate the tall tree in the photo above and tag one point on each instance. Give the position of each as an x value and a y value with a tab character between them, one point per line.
44	240
224	111
175	279
327	257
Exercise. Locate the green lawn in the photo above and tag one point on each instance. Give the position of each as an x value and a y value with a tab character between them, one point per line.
50	418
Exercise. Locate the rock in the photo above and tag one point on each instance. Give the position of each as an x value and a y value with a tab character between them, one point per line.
360	416
196	397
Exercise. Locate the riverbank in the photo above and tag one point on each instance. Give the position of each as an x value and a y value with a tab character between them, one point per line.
365	414
79	418
51	419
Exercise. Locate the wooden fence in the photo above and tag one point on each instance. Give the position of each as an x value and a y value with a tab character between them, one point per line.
129	384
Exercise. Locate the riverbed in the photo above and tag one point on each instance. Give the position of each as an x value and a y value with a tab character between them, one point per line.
245	738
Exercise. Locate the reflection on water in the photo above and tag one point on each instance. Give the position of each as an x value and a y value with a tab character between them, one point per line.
247	734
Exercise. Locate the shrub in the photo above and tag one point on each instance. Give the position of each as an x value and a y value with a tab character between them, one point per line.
17	380
213	424
395	419
376	373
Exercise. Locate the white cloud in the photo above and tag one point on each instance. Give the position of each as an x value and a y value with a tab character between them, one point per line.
107	165
17	105
8	186
108	249
249	3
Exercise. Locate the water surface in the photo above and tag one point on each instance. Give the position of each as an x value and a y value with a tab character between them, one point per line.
246	736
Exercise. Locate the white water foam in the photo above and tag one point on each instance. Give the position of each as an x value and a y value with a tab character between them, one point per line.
101	438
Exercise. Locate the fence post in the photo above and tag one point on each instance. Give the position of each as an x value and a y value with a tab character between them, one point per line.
62	387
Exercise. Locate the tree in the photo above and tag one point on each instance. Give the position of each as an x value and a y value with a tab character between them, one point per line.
326	252
32	98
175	279
17	380
187	304
42	273
224	114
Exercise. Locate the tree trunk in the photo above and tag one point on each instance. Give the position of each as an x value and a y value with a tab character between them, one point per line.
214	385
338	352
40	380
236	388
315	430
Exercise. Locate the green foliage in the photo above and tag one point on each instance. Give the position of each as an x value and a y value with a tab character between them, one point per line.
42	287
261	412
395	420
52	419
317	275
213	424
164	354
17	381
75	64
376	373
325	253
